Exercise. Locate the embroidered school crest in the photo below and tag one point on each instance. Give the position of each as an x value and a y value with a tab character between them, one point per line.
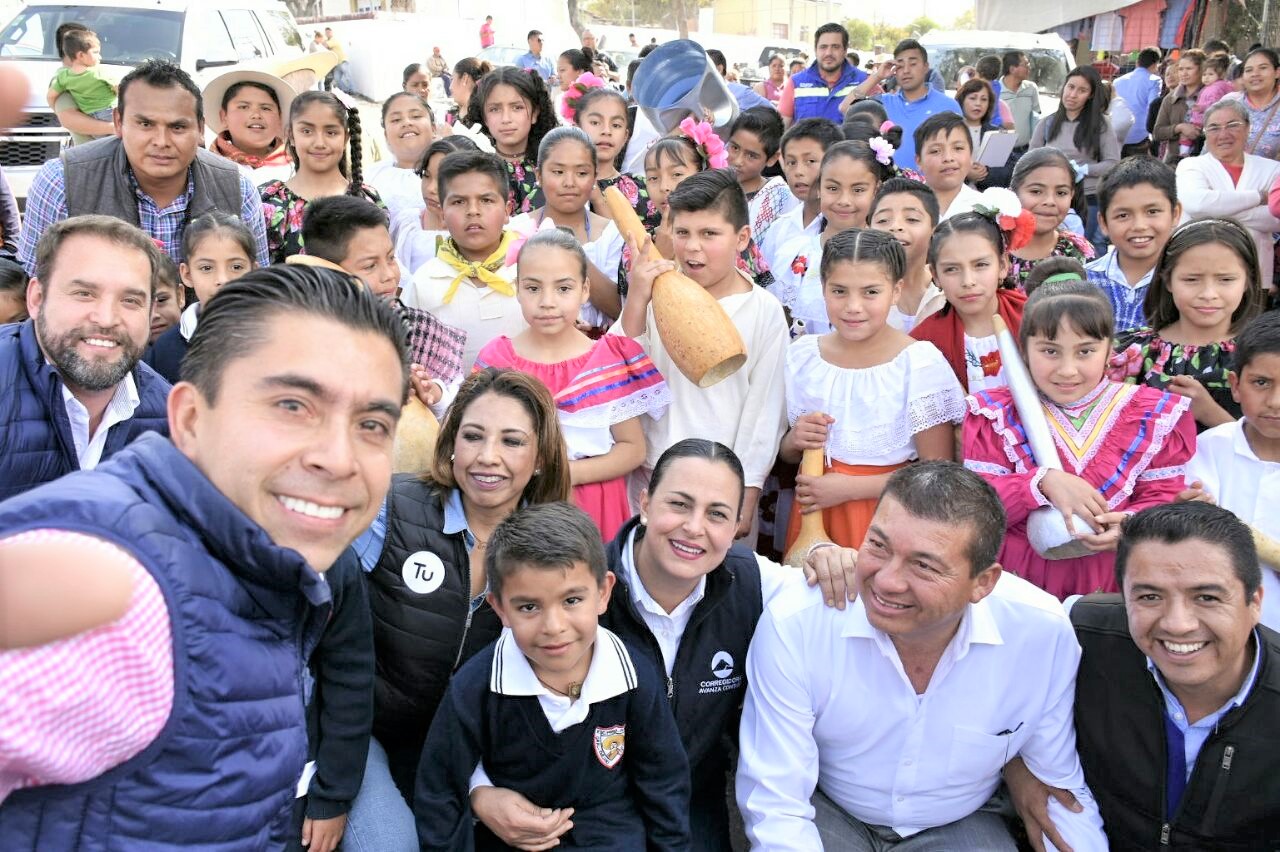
610	742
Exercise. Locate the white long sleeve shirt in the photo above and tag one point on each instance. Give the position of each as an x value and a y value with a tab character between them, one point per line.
829	706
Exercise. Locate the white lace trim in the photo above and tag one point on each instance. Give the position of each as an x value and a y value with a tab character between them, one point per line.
652	401
874	441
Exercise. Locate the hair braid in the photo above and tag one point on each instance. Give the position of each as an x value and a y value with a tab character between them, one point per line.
356	144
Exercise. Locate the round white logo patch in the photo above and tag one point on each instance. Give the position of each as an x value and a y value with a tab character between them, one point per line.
423	572
722	664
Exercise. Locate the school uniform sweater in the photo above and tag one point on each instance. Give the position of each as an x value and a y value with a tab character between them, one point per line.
622	768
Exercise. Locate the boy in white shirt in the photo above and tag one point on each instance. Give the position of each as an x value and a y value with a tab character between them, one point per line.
1239	463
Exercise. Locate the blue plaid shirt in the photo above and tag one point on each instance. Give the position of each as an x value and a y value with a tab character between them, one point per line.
47	204
1126	300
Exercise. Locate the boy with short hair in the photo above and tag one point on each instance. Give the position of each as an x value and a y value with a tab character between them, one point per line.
754	138
94	95
802	148
557	709
468	284
746	411
1239	463
352	234
908	210
944	155
169	299
1137	211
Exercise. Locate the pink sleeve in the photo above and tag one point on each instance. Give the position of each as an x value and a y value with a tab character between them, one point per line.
1165	478
787	100
1273	199
75	708
984	454
1006	114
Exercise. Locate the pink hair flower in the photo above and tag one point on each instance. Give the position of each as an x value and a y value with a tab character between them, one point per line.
883	149
886	126
709	144
573	94
523	232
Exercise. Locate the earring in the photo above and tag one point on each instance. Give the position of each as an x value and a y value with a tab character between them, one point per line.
644	522
450	456
537	471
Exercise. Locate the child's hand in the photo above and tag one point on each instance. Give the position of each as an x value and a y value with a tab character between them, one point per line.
517	821
1203	407
427	391
814	493
1195	493
323	835
598	205
1110	535
644	271
977	172
1071	496
809	433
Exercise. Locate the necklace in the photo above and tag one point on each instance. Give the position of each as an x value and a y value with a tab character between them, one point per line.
573	694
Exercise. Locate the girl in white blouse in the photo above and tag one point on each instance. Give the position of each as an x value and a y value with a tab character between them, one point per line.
866	393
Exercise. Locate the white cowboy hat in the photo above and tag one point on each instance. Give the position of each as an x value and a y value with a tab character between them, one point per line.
219	85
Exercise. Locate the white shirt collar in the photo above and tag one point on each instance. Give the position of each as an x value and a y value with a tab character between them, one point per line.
977	626
187	322
611	672
1115	273
120	408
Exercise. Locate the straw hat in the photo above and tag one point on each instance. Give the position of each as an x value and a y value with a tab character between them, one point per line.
219	85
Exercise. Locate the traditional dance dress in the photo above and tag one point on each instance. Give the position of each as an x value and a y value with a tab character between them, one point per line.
878	411
612	383
1130	442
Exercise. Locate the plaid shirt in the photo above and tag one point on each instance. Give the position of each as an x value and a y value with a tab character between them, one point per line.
434	345
47	204
72	709
1127	301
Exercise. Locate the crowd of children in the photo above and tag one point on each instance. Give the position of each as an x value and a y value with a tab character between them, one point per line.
870	301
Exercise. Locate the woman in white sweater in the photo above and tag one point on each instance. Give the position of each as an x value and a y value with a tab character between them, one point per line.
1225	181
1081	130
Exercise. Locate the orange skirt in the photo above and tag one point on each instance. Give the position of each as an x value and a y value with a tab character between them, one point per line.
847	523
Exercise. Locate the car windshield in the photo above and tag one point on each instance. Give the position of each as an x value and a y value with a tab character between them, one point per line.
128	36
1048	67
497	55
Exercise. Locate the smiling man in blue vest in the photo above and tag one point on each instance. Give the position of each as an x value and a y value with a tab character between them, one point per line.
156	613
73	390
816	92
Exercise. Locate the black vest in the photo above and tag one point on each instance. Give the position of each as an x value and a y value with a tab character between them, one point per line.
1232	801
708	681
423	627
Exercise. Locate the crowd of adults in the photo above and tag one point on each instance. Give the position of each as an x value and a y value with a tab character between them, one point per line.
224	624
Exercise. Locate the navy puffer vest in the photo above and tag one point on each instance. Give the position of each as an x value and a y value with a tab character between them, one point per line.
35	435
245	615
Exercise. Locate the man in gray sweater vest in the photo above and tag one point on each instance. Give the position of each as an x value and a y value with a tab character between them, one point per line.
152	173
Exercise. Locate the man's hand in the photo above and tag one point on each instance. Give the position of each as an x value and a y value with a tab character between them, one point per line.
1031	800
323	835
833	568
517	821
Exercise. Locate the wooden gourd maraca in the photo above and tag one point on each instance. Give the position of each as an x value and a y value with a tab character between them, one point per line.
811	529
1268	548
696	331
418	428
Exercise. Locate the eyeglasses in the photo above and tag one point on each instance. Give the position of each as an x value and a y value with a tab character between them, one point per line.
1233	126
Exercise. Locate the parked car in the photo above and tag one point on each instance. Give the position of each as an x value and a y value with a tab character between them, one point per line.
1051	59
205	37
499	55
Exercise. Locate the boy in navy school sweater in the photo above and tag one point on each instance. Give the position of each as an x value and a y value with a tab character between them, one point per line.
556	709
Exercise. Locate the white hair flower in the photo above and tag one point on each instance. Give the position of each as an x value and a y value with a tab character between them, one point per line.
476	134
1003	201
883	149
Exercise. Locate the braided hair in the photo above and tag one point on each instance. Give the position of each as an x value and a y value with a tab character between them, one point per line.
969	223
864	245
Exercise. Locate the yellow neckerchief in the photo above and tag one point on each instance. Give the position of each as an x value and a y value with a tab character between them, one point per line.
485	271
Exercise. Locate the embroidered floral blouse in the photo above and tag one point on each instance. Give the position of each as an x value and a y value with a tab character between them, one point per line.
283	209
1143	357
1069	245
524	193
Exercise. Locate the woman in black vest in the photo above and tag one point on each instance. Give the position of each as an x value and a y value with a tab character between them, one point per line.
689	597
499	447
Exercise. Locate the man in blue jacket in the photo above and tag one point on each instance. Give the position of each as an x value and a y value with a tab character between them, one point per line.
73	390
156	614
816	92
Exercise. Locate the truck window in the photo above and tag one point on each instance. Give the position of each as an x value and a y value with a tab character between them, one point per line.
283	31
245	33
213	41
129	36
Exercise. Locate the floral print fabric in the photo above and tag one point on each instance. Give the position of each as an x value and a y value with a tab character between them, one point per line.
283	210
1069	245
1142	357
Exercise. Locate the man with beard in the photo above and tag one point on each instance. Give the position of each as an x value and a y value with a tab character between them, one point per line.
73	389
817	91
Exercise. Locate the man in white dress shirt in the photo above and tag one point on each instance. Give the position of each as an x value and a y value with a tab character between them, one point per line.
886	725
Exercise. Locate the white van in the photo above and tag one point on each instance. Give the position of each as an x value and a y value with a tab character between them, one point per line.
1051	59
205	37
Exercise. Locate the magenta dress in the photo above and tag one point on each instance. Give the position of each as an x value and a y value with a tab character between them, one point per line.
612	383
1130	442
